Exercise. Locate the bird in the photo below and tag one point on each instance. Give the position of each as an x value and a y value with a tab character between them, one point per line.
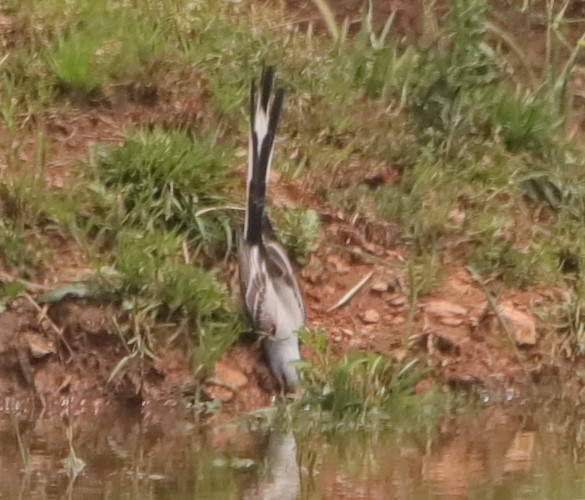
270	291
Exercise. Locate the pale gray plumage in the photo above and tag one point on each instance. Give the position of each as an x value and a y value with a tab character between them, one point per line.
269	288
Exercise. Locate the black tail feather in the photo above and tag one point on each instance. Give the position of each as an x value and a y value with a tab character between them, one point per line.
264	116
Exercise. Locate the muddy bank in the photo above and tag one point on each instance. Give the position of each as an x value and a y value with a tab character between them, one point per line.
479	337
65	357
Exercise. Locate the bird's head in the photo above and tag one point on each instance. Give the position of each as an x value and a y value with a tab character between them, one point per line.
282	355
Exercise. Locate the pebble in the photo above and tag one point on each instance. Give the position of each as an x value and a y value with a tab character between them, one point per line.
230	376
450	321
521	324
371	316
445	308
398	301
380	287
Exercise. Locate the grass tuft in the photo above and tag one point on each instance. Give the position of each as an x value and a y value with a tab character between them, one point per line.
157	180
152	270
358	387
298	230
107	44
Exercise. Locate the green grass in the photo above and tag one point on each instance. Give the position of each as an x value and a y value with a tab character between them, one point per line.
480	140
102	44
158	180
176	293
358	387
144	196
112	44
21	258
298	231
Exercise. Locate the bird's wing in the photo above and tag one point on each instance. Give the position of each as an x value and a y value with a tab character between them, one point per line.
286	288
255	288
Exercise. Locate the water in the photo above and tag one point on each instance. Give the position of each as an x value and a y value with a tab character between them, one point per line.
492	453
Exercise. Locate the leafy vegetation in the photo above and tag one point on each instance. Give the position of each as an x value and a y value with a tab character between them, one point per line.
107	44
358	388
298	230
484	144
158	180
148	192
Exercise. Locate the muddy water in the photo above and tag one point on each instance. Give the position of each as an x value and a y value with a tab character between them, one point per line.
498	453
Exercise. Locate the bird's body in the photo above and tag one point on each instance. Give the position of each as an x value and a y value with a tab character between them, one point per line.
269	288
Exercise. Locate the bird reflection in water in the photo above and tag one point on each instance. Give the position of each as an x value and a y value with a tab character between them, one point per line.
282	480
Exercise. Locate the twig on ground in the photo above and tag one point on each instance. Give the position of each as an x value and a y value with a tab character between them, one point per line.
351	293
186	256
206	210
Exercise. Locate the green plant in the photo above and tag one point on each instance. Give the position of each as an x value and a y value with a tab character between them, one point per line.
15	253
22	194
357	387
157	180
188	295
298	230
525	122
109	44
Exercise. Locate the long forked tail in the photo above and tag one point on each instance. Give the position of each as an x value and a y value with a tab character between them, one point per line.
264	114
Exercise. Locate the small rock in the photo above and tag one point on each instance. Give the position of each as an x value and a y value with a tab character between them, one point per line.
230	376
398	320
370	316
400	354
450	321
447	341
397	301
221	393
423	386
521	324
347	332
380	287
314	294
338	264
39	345
226	381
394	285
444	308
